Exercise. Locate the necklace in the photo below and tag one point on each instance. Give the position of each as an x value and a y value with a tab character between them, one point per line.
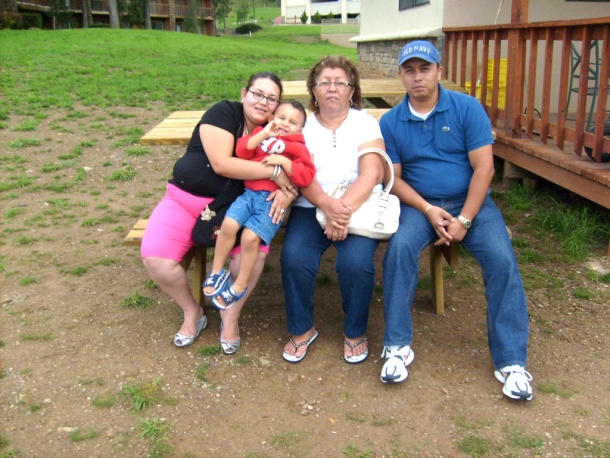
333	131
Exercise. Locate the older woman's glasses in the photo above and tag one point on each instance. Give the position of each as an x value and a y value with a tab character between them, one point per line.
339	85
271	99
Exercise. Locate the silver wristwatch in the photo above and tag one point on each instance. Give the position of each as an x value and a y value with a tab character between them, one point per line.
465	221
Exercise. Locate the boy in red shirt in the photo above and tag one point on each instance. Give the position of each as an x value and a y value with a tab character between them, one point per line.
281	144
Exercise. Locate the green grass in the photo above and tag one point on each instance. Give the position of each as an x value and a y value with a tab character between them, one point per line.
474	446
153	428
79	436
143	395
212	350
41	337
202	371
104	400
578	228
551	388
138	301
48	69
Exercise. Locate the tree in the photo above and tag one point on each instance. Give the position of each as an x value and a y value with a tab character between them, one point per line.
221	11
190	20
243	7
113	12
135	12
61	16
147	21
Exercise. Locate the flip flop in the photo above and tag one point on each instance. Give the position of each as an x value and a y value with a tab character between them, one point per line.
229	296
217	281
358	358
307	343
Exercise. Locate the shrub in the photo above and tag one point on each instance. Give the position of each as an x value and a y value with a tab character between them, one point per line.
32	20
245	29
304	17
10	20
316	18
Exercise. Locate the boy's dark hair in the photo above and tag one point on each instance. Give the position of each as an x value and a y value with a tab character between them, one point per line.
294	104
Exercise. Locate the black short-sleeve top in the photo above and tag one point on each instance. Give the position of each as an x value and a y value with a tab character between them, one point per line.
193	172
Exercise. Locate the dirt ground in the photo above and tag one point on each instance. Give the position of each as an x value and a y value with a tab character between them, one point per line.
70	348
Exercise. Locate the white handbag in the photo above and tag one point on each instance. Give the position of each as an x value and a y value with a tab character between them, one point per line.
379	214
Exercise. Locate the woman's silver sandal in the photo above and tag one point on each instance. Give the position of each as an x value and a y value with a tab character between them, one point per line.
180	340
229	346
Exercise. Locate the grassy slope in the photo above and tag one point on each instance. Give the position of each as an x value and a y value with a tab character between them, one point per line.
43	69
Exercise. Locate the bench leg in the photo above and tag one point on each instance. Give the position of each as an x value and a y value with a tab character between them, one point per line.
199	270
199	255
436	277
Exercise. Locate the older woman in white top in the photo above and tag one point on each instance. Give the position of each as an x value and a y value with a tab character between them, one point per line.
335	133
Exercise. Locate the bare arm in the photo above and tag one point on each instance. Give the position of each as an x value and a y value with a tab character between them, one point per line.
371	171
218	145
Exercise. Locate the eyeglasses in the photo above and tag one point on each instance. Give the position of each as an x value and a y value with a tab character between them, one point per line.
271	99
325	85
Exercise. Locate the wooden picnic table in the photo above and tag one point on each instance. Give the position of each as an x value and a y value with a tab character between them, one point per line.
375	90
178	127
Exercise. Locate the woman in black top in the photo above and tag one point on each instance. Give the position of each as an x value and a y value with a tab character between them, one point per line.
199	176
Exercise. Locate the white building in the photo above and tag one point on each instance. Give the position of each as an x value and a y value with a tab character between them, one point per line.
386	25
293	9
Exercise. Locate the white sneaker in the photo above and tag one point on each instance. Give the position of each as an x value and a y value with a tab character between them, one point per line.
397	359
516	382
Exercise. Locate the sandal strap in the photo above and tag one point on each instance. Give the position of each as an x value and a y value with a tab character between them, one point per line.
296	345
352	346
213	279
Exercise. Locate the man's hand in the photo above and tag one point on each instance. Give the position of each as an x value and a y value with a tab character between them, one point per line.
442	222
457	230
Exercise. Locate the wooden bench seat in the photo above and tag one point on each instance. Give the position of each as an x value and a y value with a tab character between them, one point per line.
199	256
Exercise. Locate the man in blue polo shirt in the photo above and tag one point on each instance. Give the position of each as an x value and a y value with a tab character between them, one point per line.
441	144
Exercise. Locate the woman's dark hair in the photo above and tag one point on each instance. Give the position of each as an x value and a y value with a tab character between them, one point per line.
335	62
265	76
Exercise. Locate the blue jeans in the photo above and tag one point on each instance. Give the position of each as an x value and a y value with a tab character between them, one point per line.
303	248
488	242
251	210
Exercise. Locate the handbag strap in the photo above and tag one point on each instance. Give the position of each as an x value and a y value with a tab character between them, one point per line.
233	189
384	155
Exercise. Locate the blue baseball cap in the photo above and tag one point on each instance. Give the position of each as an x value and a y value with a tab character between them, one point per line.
419	49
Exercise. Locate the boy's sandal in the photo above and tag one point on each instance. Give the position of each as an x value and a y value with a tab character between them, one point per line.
355	359
217	281
229	296
294	358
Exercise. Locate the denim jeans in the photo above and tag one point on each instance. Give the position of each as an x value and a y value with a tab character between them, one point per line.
301	255
488	242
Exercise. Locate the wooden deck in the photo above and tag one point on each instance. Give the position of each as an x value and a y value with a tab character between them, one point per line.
578	174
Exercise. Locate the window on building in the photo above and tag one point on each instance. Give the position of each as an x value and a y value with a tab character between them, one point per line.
405	4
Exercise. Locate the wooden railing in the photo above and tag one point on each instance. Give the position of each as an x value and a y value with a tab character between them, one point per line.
336	27
532	72
159	9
